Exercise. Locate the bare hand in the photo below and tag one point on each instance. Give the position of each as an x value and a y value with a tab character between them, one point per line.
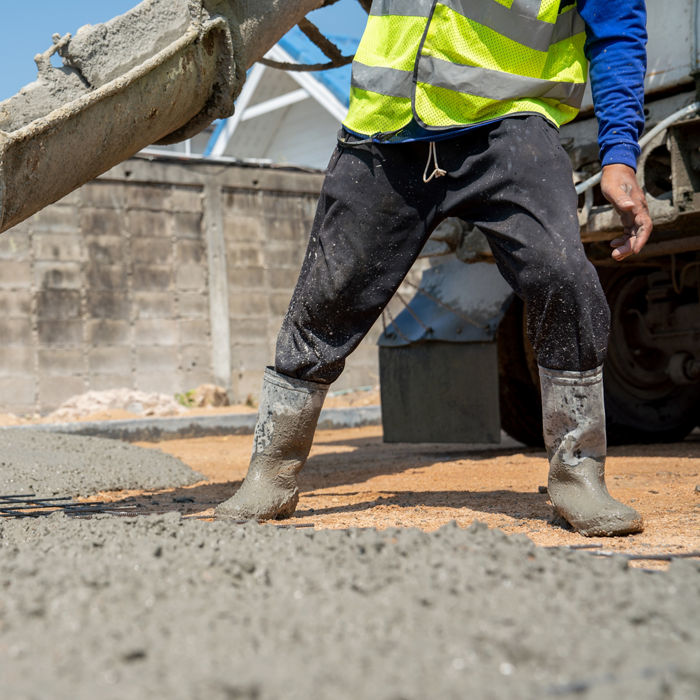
619	186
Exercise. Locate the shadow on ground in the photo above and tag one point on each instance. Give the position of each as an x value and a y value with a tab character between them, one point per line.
335	481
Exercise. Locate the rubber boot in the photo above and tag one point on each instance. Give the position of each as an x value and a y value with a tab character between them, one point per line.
289	410
573	417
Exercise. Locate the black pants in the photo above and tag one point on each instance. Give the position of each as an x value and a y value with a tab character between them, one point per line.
512	179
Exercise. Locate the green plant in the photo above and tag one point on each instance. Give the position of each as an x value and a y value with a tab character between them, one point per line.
186	399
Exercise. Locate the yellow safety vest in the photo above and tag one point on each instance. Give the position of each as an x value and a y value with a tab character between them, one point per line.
460	62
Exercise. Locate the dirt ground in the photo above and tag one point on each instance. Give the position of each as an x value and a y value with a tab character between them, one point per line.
353	479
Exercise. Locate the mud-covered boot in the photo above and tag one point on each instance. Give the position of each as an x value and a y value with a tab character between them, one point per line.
287	417
573	417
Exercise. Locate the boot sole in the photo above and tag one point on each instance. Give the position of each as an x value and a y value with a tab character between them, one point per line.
286	510
596	529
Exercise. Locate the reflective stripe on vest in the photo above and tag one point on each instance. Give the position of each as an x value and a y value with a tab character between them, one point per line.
407	8
523	27
465	61
480	82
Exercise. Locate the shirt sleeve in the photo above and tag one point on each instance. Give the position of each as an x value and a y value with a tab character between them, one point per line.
616	38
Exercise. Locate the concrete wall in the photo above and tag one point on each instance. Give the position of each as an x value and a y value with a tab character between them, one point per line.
159	276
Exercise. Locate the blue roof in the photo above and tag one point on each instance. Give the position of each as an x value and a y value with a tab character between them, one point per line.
337	80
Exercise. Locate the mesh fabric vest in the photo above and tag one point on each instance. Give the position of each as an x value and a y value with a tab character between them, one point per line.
462	62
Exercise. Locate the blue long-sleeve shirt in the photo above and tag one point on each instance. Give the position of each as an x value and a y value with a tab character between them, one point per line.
616	39
616	50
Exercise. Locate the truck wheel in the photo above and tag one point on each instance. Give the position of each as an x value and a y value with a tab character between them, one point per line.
518	379
642	402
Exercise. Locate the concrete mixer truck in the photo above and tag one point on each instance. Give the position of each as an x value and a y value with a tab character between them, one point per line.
462	337
166	69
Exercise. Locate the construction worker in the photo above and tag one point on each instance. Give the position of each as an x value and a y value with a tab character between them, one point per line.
454	110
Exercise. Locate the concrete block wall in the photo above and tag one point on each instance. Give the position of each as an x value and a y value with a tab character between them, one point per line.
161	275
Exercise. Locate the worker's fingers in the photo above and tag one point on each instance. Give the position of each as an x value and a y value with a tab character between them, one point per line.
633	240
643	227
623	247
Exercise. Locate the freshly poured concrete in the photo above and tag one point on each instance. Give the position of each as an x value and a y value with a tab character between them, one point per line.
159	73
94	56
163	607
70	465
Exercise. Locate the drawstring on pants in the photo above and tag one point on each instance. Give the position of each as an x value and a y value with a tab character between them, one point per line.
437	170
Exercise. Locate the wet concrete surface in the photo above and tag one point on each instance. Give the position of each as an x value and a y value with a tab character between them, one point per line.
71	465
162	606
165	606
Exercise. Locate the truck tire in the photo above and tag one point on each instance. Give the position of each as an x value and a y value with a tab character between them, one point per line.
518	379
642	403
636	412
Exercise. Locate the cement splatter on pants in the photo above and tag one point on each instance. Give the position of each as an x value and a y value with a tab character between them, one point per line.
512	179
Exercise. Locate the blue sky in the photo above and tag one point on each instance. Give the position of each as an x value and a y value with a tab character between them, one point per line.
28	27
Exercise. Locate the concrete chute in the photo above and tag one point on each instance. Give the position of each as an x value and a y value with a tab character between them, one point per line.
156	74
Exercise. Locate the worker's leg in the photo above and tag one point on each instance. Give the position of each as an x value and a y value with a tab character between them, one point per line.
373	218
287	417
523	199
371	223
526	205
